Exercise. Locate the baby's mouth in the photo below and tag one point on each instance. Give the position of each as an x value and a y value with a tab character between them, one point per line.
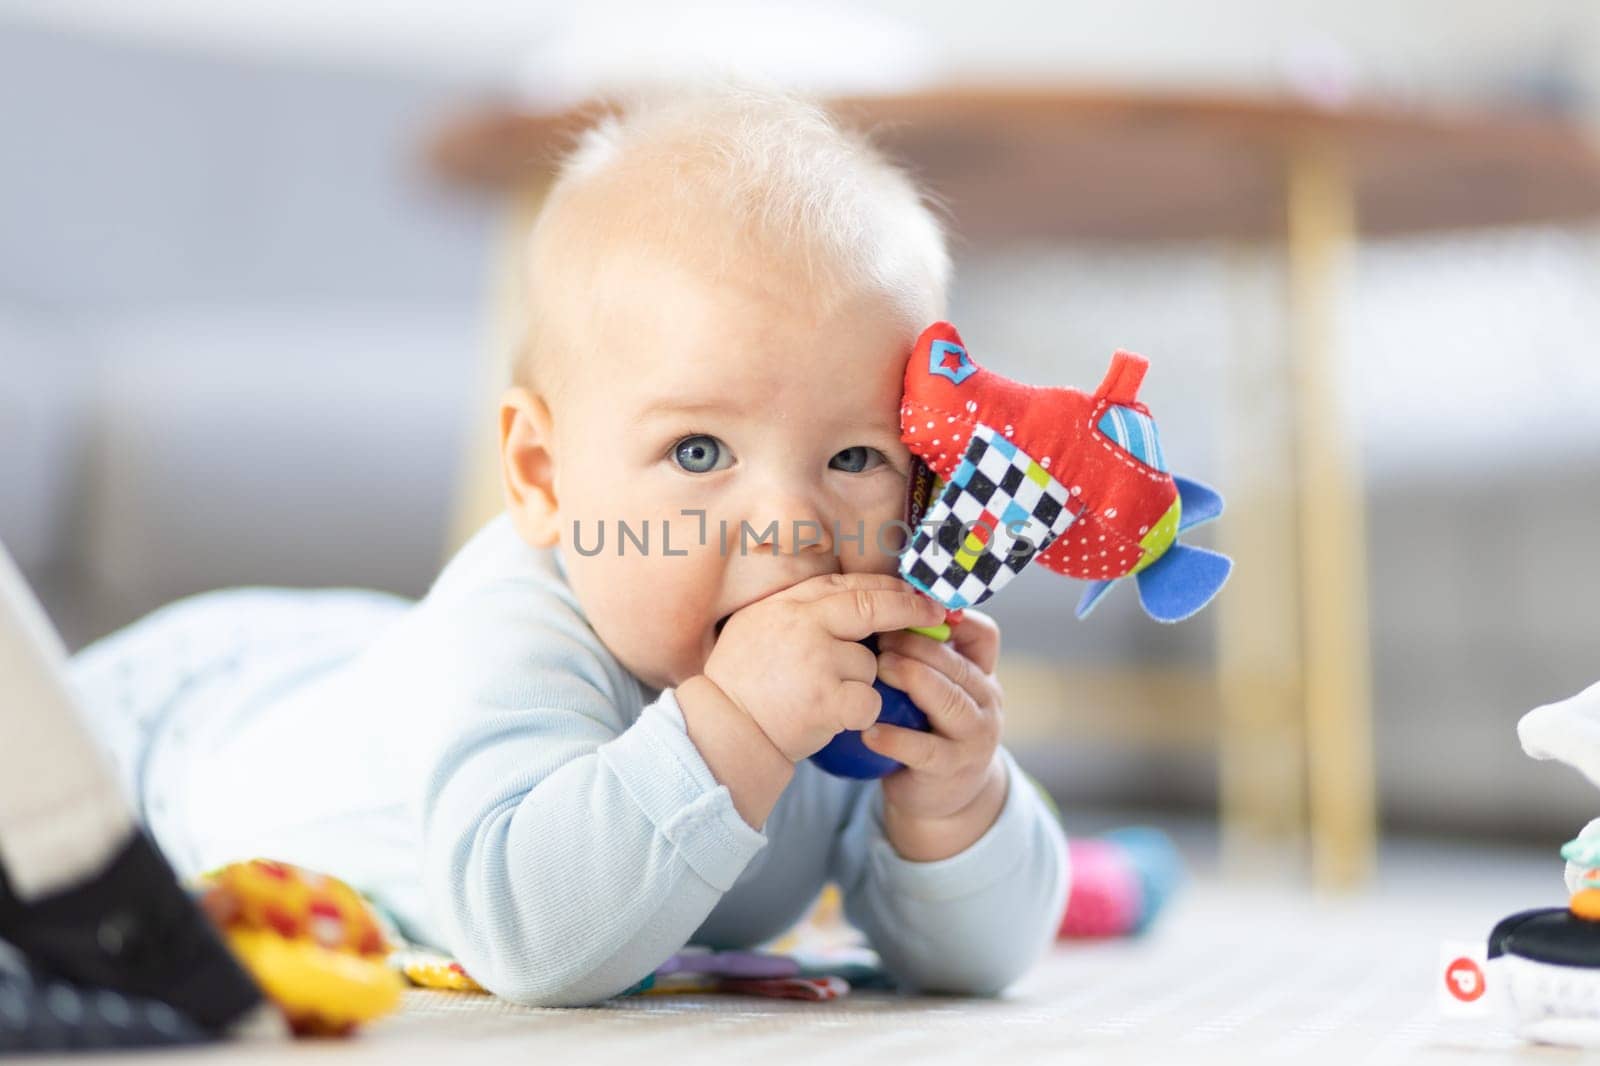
716	630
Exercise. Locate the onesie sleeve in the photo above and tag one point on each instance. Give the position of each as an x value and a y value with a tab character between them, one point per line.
567	854
971	923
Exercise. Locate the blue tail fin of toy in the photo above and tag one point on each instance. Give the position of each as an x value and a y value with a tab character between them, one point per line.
1201	503
1091	596
1181	582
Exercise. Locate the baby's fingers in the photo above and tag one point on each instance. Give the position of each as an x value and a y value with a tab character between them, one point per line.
856	613
951	710
948	660
924	752
978	638
824	585
858	704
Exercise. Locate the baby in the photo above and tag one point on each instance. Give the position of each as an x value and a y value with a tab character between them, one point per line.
588	745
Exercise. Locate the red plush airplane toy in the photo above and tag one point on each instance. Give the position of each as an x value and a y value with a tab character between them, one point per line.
1075	481
1008	473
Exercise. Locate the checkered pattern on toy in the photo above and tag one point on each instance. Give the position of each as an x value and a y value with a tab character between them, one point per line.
965	550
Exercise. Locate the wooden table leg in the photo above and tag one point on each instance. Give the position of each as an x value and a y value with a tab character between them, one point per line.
1332	526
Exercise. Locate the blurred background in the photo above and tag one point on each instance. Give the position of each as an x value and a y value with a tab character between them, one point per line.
243	326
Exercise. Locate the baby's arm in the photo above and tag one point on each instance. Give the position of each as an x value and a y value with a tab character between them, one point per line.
565	855
735	749
971	923
953	865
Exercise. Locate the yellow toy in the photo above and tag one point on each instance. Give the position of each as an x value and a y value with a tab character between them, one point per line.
429	969
309	940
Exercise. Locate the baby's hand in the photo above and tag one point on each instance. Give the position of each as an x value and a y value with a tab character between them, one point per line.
954	783
792	663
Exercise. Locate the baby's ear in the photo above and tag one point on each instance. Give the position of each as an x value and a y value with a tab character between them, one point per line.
527	466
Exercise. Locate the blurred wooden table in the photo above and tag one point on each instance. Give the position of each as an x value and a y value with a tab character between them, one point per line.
1058	164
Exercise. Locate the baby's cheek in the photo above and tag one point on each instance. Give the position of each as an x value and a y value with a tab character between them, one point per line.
883	534
682	595
680	621
620	609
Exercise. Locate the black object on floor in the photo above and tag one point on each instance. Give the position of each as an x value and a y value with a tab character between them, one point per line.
86	900
1551	935
39	1012
132	929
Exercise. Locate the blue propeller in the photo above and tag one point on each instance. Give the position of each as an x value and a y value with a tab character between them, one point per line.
1185	578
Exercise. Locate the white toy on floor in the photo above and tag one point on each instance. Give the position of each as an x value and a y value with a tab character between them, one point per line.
1549	958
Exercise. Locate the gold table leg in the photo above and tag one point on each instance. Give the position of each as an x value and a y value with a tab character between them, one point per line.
1332	527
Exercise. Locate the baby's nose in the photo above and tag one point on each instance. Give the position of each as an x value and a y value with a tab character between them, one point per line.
788	524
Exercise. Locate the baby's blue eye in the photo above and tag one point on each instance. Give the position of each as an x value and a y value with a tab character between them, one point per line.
855	460
700	454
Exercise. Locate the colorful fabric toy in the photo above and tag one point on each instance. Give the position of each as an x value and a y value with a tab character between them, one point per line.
817	975
310	941
1007	473
1121	880
429	969
1076	481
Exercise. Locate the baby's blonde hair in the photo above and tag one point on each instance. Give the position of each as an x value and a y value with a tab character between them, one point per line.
718	179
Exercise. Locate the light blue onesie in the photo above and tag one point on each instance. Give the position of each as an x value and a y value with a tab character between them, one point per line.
481	765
